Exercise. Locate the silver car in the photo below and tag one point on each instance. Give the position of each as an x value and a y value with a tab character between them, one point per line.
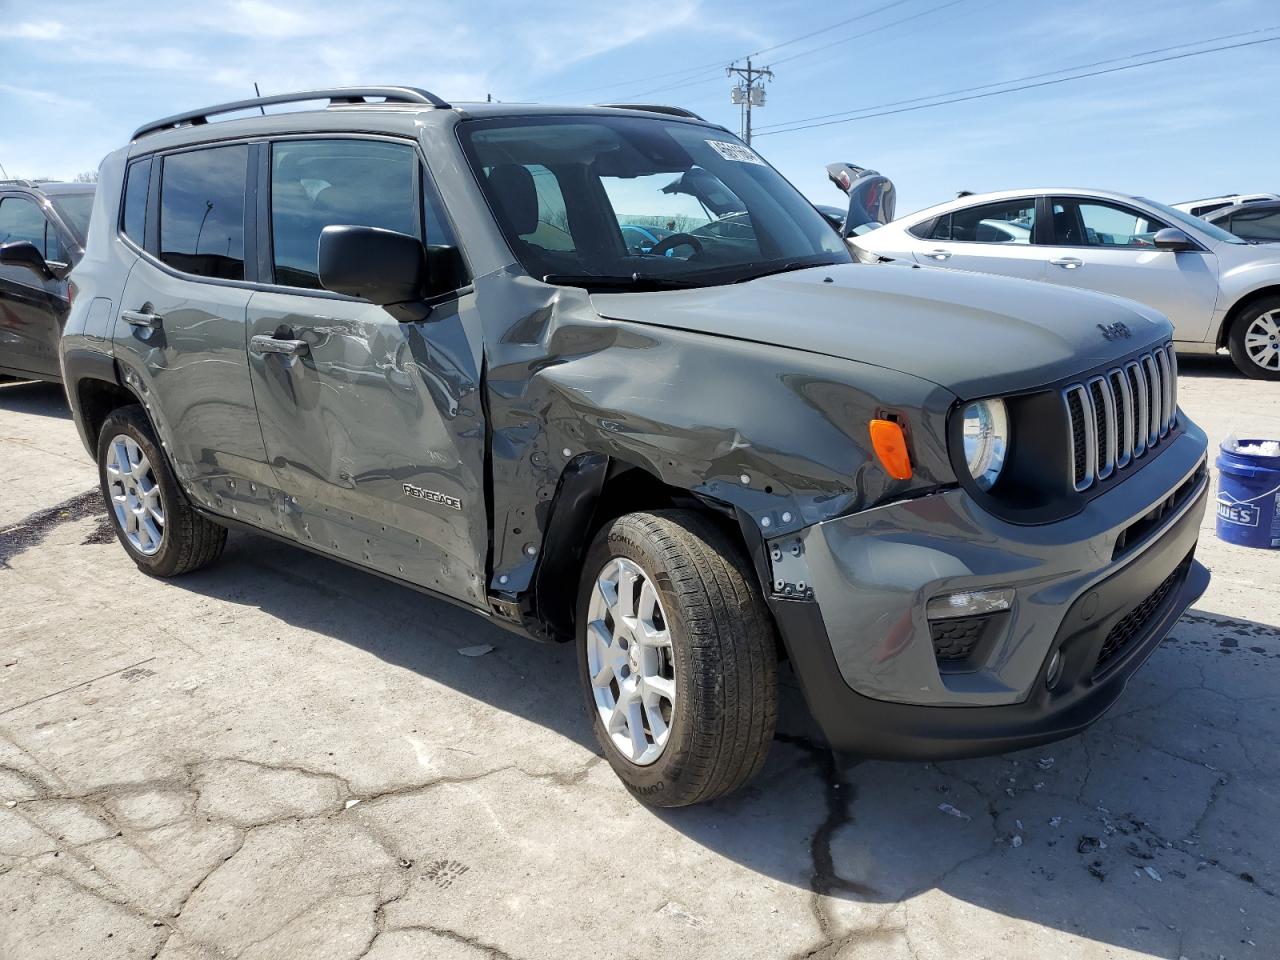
1219	291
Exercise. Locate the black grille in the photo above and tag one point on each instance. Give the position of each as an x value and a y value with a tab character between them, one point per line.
1134	623
1099	421
954	639
1123	415
1077	436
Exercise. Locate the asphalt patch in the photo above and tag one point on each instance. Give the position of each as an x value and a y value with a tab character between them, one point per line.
35	529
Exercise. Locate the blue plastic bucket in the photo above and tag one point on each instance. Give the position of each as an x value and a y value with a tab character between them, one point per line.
1248	498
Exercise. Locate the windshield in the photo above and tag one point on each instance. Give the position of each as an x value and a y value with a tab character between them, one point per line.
629	198
1187	220
74	208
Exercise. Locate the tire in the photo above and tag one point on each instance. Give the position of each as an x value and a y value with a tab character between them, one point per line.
720	664
186	541
1251	324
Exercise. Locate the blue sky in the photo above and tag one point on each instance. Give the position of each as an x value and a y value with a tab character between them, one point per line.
79	76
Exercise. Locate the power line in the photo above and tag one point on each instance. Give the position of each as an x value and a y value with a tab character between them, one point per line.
708	78
1034	76
1028	86
832	26
690	75
697	81
867	33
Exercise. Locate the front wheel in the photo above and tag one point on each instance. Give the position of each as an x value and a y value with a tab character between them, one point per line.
152	517
1254	340
677	657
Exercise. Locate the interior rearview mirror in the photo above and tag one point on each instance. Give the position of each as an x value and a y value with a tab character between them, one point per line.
1171	238
381	266
23	253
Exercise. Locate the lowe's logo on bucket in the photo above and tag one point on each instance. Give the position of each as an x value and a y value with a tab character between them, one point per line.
1245	514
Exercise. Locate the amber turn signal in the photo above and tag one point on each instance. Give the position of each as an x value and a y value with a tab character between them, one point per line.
891	447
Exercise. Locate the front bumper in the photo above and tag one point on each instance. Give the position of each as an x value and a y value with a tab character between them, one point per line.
862	650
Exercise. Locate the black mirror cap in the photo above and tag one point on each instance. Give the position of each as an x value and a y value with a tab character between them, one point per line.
23	253
1171	238
381	266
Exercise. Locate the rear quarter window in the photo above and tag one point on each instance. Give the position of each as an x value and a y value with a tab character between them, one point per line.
133	218
924	229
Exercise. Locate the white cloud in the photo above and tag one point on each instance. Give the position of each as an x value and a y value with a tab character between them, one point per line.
45	98
36	30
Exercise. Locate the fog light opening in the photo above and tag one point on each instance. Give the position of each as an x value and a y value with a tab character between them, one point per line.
1054	673
969	603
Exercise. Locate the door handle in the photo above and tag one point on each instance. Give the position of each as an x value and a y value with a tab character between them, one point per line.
1067	263
290	348
939	254
141	318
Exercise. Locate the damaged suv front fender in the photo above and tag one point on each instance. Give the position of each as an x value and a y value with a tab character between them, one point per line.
778	434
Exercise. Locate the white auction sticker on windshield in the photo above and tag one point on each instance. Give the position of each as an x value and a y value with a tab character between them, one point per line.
735	151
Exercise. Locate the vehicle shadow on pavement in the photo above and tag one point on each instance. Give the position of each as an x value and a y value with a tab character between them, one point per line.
1216	367
34	398
1153	831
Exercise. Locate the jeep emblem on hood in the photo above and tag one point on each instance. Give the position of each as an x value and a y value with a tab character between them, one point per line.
1115	331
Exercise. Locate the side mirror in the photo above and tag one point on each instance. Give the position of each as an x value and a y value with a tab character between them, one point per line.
23	253
1171	238
381	266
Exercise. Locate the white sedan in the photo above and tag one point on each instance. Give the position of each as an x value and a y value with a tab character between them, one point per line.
1218	290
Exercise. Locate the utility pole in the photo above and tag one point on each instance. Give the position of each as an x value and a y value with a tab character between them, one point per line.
749	94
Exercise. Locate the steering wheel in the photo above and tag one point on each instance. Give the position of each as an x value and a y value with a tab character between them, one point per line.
660	248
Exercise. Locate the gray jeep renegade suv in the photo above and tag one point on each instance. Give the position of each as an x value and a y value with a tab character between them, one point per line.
414	337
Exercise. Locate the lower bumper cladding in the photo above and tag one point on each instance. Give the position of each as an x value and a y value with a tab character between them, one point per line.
1082	648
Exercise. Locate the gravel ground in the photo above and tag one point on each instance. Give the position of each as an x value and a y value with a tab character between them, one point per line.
282	757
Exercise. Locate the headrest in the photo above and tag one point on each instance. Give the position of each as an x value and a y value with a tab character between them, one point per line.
511	186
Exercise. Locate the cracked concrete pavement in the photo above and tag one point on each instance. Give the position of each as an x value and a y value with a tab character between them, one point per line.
282	757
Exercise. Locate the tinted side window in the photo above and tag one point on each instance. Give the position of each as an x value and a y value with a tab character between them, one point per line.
1255	225
1007	221
925	228
202	211
316	183
21	219
134	217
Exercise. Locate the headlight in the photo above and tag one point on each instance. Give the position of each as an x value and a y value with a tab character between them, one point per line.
986	438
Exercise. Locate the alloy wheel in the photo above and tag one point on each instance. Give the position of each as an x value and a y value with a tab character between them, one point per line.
631	660
135	495
1262	340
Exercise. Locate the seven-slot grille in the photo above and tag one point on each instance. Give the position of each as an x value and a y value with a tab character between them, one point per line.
1118	416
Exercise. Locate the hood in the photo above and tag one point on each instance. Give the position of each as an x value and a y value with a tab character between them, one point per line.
975	334
1247	257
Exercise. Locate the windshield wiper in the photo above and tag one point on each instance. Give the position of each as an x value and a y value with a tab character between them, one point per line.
636	281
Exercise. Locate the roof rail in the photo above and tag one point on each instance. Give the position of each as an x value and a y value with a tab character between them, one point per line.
653	108
335	95
22	182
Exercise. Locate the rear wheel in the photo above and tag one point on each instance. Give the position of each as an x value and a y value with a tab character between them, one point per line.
1254	340
153	518
677	658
